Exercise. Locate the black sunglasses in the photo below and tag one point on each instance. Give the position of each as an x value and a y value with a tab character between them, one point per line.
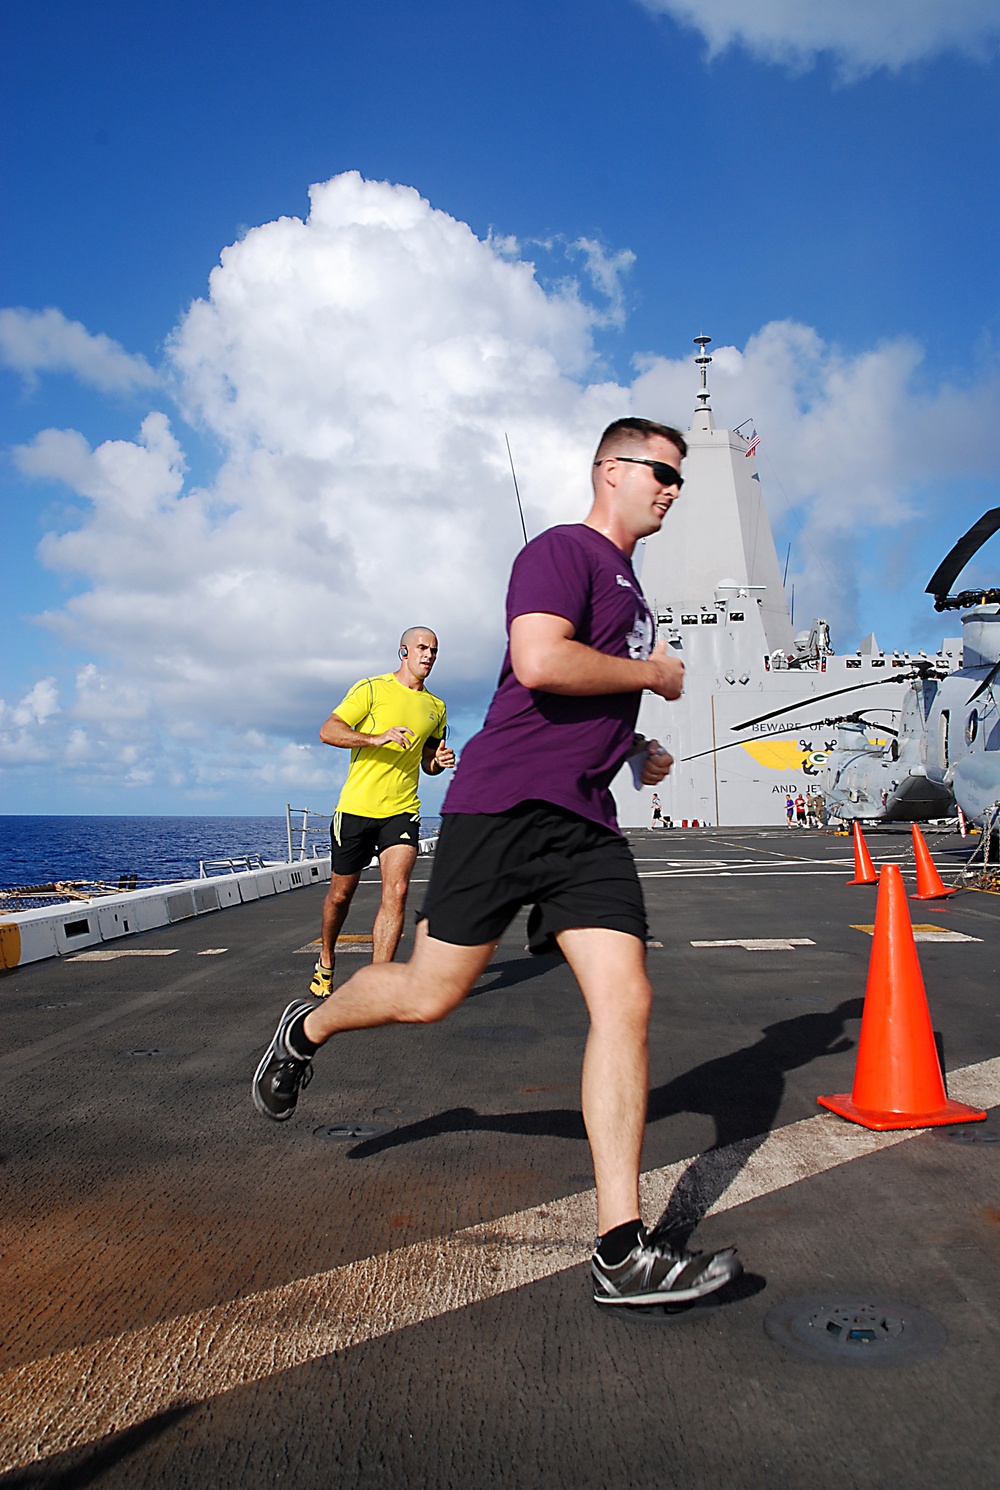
665	475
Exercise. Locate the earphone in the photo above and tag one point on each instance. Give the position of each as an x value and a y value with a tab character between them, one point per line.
403	653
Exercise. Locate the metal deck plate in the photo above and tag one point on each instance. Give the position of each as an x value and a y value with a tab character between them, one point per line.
846	1331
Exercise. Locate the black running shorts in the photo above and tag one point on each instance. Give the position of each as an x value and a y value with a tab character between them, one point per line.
354	840
571	872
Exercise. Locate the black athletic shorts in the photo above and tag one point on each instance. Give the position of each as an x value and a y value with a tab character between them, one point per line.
354	840
571	872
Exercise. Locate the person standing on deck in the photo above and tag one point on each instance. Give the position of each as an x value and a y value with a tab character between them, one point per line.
529	820
394	727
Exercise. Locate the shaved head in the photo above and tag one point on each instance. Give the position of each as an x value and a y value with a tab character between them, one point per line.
412	632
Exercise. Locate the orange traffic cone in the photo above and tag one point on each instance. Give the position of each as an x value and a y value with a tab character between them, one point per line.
897	1078
864	870
930	885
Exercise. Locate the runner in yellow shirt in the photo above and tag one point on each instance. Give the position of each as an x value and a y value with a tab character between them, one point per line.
392	726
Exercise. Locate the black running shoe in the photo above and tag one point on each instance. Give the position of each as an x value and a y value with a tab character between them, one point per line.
281	1073
654	1273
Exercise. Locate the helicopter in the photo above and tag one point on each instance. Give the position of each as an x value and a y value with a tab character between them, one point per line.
945	750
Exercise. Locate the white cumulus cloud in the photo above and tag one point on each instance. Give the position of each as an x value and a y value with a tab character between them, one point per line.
22	724
33	342
861	35
359	370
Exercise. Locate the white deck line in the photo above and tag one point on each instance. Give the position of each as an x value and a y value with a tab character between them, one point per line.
77	1396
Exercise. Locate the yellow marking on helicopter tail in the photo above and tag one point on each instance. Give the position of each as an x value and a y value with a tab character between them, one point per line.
929	934
776	755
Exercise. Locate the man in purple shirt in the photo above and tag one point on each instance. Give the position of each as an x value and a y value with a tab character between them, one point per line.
529	819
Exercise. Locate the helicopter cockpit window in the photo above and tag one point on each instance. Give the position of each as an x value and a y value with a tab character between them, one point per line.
945	723
972	727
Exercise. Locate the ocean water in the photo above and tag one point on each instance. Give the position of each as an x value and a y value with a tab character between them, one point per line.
36	850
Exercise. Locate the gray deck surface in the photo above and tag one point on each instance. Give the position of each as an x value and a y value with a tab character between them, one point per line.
140	1192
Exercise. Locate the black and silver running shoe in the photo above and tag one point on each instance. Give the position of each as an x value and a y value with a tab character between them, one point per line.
654	1273
281	1074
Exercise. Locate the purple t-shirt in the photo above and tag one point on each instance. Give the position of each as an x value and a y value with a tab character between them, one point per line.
537	746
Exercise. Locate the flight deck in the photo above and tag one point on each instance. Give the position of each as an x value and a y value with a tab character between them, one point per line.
391	1290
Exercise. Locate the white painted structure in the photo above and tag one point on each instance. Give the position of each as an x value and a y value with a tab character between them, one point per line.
712	578
60	930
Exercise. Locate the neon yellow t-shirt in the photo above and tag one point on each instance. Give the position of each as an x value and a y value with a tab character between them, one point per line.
382	779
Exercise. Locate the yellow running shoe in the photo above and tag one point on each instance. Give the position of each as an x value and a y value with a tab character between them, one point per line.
321	986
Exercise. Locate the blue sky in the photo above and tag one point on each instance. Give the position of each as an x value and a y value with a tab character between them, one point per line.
225	504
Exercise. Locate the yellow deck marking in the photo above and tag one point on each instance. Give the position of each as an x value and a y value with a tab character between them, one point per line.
79	1395
351	942
929	934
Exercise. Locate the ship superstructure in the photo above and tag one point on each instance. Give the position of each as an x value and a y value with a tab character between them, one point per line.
715	585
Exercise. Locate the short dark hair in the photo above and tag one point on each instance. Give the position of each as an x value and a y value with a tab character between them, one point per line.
632	432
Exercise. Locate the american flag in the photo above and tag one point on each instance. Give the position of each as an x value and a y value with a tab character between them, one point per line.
755	441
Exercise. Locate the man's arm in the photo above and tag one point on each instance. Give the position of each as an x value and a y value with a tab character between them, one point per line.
545	656
437	757
336	732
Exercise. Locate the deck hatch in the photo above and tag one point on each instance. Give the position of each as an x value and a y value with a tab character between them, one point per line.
846	1331
352	1132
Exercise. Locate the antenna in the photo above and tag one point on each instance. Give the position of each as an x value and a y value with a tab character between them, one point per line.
520	510
792	616
784	577
703	362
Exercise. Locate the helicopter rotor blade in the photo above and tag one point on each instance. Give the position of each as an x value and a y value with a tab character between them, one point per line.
955	561
794	730
991	677
870	723
855	688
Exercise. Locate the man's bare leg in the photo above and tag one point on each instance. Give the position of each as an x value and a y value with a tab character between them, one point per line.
421	991
396	864
335	908
610	967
